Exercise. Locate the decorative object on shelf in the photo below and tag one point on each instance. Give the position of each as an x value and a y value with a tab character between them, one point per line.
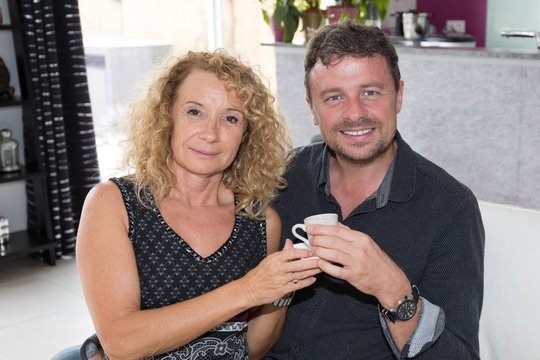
4	230
284	20
6	91
313	17
9	153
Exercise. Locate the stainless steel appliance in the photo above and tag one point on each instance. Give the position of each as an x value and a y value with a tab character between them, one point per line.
414	24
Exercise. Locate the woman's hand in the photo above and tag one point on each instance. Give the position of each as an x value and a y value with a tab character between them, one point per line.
280	274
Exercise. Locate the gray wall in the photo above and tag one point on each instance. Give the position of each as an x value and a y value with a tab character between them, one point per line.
476	113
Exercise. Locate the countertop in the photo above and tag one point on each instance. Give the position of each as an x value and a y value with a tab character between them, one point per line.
533	54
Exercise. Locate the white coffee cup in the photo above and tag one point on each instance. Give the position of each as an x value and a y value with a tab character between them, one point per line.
322	219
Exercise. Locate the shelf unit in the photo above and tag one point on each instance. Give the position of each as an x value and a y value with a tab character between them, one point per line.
37	237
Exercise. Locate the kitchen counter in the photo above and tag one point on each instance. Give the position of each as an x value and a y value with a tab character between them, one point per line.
471	52
454	51
473	111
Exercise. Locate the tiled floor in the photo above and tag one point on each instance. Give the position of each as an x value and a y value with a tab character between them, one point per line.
42	309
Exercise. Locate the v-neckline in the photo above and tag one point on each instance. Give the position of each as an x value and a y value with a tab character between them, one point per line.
216	254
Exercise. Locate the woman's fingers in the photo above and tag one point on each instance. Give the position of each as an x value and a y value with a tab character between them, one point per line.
280	273
300	275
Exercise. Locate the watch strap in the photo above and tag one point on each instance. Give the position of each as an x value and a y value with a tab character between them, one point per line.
284	301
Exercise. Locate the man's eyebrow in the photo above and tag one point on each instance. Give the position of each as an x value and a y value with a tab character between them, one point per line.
331	90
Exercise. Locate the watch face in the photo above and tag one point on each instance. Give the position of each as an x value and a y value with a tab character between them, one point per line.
406	310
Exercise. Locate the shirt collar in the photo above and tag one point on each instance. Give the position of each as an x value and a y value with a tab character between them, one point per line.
398	183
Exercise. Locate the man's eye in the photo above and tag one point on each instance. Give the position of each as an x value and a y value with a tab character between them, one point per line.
334	97
370	93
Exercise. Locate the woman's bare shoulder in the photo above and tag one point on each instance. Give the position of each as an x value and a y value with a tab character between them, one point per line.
104	199
104	192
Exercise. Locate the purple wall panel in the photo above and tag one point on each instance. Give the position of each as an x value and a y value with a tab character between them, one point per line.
473	12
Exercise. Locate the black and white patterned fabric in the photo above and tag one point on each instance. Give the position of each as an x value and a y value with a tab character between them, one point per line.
63	114
170	271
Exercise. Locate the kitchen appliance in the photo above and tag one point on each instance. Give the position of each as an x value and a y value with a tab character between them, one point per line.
448	41
9	154
399	23
414	24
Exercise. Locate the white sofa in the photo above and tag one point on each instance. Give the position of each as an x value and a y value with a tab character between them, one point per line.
508	326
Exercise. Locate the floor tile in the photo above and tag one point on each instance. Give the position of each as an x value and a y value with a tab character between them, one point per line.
42	309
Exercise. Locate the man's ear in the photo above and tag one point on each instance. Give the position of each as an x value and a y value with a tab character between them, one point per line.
399	96
314	117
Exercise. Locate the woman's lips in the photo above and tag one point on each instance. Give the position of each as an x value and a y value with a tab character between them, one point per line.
204	153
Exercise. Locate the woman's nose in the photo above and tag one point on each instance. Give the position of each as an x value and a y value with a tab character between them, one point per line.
210	131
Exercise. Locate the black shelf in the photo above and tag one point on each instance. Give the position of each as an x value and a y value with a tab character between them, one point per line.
23	174
22	243
38	240
15	101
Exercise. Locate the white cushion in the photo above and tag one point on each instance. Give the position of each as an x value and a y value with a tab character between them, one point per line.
508	325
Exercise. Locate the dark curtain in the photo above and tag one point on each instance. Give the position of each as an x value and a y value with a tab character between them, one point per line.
64	119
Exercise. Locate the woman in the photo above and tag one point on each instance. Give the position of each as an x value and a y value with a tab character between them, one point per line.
172	258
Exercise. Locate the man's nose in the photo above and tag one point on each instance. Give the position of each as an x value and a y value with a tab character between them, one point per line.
355	109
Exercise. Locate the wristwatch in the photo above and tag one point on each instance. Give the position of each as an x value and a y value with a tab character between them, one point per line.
405	308
284	301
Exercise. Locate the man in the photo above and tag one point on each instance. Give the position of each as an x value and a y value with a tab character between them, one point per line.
403	271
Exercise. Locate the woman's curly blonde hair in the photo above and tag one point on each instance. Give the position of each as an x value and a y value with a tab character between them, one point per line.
257	172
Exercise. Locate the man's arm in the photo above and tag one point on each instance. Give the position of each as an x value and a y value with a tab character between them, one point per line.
452	283
453	280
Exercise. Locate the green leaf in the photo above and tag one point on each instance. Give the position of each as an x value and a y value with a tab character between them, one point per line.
280	15
291	25
266	17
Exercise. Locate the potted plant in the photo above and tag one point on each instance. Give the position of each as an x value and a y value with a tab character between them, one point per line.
312	15
284	19
372	12
347	9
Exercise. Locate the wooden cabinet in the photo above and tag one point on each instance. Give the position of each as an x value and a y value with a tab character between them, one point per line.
37	237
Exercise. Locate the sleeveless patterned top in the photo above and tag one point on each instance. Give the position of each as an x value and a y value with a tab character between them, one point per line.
170	271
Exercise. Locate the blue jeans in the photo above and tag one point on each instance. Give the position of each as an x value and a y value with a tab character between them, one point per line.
70	353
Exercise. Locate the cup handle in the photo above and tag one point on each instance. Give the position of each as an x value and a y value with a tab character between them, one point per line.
300	226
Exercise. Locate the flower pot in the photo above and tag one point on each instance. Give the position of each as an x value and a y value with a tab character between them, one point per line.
311	19
335	13
281	35
278	33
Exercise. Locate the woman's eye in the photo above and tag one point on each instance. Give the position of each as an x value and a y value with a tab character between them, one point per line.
232	119
194	112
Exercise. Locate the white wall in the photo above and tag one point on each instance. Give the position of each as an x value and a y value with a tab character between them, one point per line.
523	14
